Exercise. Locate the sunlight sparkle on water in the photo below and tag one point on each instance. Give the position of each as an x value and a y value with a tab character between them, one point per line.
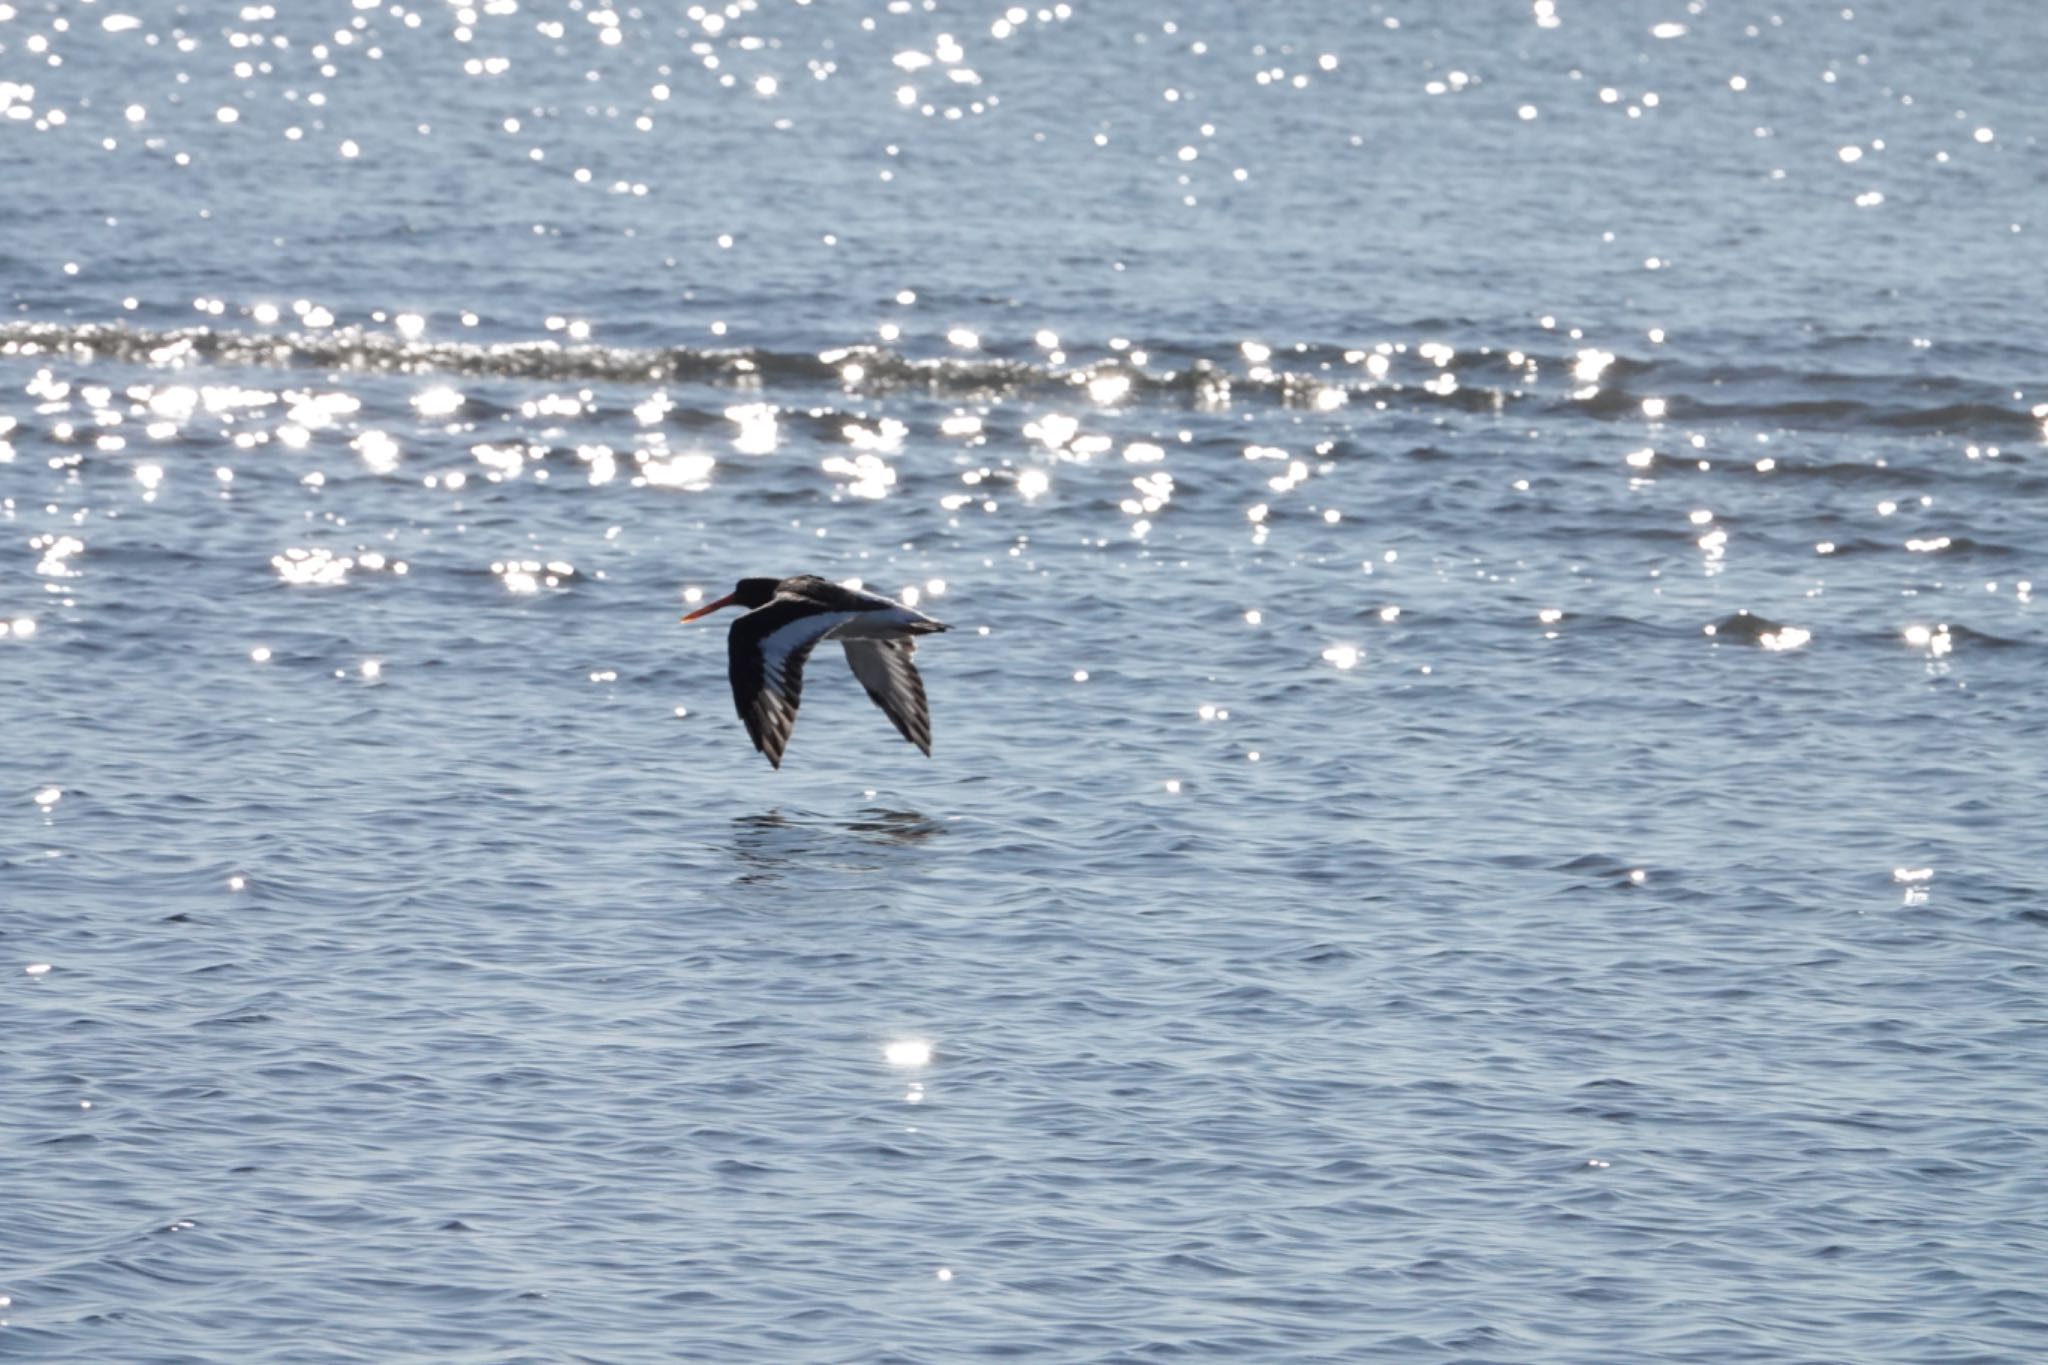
57	553
378	449
315	567
868	475
688	471
1935	640
759	433
438	401
908	1052
1784	638
1109	388
1055	429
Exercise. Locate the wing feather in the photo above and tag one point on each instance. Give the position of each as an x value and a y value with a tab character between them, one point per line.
885	670
767	649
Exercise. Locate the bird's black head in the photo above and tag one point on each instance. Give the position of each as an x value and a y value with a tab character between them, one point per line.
755	592
748	593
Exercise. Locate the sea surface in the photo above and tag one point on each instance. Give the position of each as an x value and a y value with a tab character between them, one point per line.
1490	769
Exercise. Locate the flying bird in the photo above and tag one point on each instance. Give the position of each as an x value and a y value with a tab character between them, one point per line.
789	617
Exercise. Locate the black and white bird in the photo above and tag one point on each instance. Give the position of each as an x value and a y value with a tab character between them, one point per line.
789	617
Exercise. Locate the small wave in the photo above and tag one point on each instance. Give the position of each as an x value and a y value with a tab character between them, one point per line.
1748	628
1478	379
1983	639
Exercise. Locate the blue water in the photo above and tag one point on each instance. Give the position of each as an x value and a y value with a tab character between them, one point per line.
1485	803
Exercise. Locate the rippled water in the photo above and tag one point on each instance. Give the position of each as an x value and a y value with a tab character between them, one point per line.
1486	800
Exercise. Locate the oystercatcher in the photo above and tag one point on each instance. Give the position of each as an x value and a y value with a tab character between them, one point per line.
789	617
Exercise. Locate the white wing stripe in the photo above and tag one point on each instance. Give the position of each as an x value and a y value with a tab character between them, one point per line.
798	635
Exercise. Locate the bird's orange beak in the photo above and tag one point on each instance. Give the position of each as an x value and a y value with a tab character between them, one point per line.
710	607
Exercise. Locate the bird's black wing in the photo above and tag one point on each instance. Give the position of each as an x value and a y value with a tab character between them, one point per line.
768	647
885	670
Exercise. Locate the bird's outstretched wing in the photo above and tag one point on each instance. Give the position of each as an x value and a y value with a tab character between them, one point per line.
885	670
768	647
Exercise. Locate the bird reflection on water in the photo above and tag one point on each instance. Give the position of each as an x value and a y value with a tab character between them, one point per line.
882	825
774	844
